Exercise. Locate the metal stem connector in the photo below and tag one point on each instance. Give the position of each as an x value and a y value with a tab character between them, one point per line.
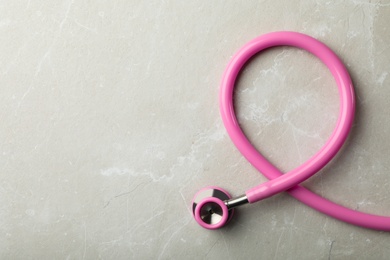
237	201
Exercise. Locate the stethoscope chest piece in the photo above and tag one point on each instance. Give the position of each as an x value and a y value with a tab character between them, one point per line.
209	207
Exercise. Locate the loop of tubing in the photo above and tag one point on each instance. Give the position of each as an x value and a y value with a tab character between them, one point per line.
289	181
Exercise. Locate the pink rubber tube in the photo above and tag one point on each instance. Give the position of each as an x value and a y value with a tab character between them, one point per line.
289	181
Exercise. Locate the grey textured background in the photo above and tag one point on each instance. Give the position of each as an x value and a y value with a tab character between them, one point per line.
110	124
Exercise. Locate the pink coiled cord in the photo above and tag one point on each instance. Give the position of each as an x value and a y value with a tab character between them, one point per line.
279	182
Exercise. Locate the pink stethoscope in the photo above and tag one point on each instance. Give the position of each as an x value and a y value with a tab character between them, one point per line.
213	207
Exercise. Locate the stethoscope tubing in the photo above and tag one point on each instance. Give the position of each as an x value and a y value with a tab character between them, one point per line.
290	181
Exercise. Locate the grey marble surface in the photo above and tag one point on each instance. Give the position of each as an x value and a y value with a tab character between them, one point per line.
110	124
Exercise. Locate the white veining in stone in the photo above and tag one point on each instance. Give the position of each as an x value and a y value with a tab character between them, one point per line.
110	125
